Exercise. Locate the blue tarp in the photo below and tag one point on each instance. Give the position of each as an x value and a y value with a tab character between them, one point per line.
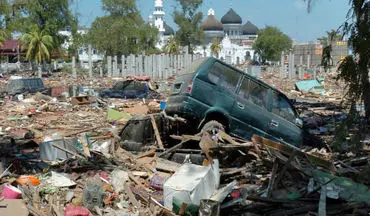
310	86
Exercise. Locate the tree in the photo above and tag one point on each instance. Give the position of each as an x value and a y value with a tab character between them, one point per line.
38	44
122	31
49	15
270	43
120	8
331	36
188	21
216	47
354	69
326	59
172	46
78	40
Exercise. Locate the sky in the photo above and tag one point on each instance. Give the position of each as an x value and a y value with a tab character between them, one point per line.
289	15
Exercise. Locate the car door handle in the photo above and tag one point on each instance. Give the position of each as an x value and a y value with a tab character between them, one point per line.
240	105
273	124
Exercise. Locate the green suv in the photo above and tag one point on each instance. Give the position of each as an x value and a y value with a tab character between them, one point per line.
211	93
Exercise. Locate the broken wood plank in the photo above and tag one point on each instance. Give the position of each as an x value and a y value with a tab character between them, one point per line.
182	209
80	131
156	132
271	184
173	148
167	166
285	167
228	138
166	210
234	146
149	153
186	137
232	171
288	150
85	146
131	197
133	178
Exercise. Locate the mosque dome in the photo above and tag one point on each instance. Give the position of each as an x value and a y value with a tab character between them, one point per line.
250	29
211	23
231	17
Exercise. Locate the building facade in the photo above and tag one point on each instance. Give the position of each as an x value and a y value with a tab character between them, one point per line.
83	54
157	20
310	54
236	38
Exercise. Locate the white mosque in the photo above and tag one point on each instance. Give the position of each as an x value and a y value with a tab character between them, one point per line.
235	37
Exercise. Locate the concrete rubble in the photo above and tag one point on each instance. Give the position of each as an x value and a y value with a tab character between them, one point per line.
79	154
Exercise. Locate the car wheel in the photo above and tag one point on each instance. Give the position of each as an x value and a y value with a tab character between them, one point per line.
213	127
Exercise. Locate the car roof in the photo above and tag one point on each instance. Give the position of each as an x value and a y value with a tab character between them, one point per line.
246	74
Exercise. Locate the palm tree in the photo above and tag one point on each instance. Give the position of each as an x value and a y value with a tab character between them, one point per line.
354	69
172	46
216	47
3	37
38	45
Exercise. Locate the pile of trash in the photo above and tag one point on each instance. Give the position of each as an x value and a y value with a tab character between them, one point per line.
83	176
85	155
324	87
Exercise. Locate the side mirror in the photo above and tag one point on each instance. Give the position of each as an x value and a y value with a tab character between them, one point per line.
299	122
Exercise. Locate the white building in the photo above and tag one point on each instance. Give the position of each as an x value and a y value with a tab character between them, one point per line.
83	54
236	39
157	19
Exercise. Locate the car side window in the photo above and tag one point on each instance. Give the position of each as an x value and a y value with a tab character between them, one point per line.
282	108
118	86
134	86
255	93
224	76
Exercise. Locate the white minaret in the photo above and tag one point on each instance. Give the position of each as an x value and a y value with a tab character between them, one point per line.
158	15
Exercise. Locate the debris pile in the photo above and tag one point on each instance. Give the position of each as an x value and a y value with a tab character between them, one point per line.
85	155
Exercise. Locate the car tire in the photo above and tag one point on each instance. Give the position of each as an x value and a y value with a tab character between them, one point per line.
209	126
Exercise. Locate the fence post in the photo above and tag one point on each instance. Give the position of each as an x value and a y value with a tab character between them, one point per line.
128	65
101	70
140	63
115	66
74	74
133	64
109	59
123	65
174	64
90	60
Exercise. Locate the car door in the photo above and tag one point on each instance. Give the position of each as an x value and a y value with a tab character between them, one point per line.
282	124
116	91
217	90
134	90
249	111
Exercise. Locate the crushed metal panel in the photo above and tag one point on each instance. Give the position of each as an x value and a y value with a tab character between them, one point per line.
310	86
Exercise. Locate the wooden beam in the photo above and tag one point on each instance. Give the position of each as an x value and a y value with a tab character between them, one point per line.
288	150
156	132
174	148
